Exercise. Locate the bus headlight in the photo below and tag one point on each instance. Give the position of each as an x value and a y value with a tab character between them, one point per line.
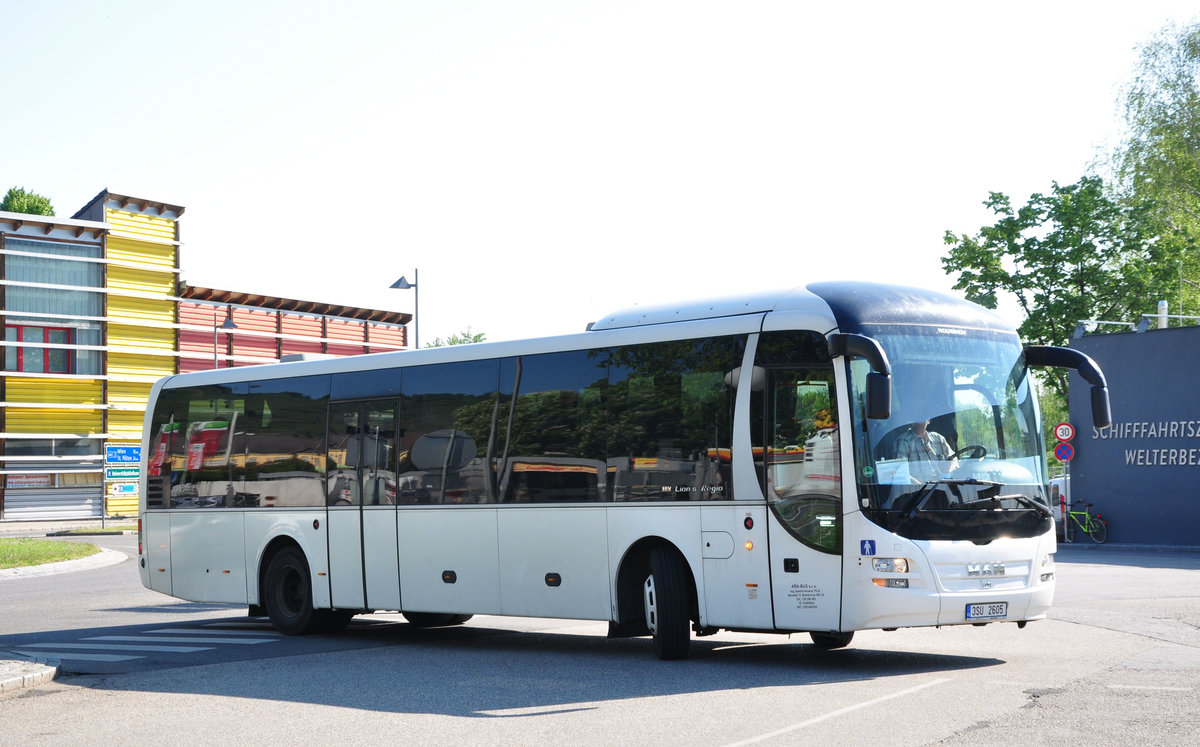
890	565
1047	567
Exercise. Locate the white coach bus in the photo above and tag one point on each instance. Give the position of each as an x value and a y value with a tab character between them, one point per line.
834	458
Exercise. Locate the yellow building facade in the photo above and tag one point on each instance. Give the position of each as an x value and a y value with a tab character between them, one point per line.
91	311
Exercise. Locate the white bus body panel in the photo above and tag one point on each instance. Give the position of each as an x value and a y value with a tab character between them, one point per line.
344	524
156	543
737	579
366	576
677	525
943	578
209	548
570	542
304	527
809	598
865	605
379	557
459	539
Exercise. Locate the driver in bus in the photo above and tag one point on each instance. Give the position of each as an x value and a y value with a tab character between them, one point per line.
928	453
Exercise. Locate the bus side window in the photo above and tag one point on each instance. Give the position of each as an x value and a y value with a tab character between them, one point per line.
670	419
554	452
284	442
454	404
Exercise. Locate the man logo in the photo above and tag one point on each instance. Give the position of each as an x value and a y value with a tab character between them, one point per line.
985	569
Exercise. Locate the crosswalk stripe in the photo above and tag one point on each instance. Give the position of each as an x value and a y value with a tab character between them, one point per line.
60	655
205	631
122	647
178	639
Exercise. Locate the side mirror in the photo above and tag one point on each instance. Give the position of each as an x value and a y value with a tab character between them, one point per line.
879	396
1055	357
879	381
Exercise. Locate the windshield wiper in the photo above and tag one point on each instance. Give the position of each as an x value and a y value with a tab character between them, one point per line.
929	488
1022	498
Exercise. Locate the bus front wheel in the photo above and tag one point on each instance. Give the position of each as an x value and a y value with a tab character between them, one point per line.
829	641
434	619
666	596
288	592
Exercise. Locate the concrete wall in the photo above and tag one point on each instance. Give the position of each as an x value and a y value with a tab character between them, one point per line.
1143	473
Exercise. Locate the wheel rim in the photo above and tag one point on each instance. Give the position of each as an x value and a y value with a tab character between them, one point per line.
651	604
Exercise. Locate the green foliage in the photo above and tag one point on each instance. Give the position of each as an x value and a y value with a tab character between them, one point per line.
18	200
1075	253
1054	411
462	338
20	552
1159	162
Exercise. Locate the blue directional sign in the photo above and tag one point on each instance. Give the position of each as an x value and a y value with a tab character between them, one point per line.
1064	451
122	453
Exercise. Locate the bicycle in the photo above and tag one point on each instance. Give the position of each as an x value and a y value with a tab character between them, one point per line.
1090	524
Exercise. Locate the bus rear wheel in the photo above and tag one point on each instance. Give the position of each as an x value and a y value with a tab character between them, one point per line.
666	597
288	592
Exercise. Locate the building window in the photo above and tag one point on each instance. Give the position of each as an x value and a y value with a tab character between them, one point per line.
34	357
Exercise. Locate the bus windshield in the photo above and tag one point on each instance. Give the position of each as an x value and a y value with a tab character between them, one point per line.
961	456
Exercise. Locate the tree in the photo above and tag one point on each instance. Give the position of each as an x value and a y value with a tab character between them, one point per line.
18	200
1159	161
1161	155
462	338
1076	253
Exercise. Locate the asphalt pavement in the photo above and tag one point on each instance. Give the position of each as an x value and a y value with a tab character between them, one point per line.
17	672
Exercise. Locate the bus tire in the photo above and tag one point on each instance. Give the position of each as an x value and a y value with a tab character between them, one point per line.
434	619
666	596
829	641
288	592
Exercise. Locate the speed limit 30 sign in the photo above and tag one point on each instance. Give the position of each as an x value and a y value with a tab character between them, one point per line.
1064	431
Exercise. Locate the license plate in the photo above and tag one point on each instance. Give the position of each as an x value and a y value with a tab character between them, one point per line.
987	611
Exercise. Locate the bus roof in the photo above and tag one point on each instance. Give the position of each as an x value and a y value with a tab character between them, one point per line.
794	299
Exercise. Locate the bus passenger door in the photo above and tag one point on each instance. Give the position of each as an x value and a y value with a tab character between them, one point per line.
802	471
361	505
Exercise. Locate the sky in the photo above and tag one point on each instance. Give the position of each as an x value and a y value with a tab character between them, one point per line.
543	162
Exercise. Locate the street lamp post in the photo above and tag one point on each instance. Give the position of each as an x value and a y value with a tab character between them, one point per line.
403	284
228	325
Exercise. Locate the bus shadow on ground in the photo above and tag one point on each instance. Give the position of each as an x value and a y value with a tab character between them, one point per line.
477	671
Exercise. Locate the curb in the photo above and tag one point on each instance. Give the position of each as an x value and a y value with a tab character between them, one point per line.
18	674
102	559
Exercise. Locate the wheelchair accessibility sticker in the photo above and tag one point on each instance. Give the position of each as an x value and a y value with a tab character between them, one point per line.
866	547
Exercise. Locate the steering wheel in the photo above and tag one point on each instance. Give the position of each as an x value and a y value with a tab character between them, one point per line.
974	451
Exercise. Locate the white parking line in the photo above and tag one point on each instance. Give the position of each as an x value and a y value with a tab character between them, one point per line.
178	639
839	712
208	631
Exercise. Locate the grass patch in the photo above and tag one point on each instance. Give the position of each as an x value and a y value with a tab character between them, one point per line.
17	552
